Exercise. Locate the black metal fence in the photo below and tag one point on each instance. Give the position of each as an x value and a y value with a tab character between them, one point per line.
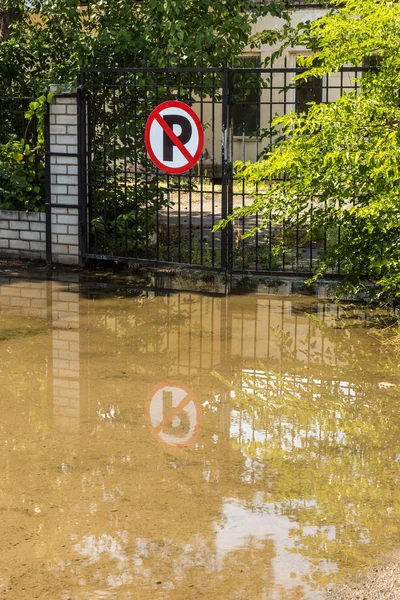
14	102
135	212
18	137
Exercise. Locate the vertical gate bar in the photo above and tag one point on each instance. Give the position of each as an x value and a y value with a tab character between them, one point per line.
201	171
230	176
311	236
135	155
326	100
284	112
271	116
213	167
258	129
47	190
124	101
168	184
157	236
82	169
115	182
224	195
179	82
90	172
104	163
239	235
147	113
338	229
190	179
179	178
227	199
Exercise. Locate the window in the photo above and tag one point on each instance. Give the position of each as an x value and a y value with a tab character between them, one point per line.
307	91
246	98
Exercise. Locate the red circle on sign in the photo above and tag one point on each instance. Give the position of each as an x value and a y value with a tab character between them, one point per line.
156	116
157	430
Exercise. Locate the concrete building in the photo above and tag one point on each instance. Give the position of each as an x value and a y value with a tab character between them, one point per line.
259	96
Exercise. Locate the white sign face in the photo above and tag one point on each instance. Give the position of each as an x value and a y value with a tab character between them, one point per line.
174	137
173	414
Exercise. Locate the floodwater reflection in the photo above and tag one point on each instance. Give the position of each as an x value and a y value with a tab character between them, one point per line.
289	479
173	414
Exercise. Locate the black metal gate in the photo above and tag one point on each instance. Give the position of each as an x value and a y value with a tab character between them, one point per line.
132	212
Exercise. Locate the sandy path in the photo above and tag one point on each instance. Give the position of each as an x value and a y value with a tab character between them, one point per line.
381	582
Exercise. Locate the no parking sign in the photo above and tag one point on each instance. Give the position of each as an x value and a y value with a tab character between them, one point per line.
174	137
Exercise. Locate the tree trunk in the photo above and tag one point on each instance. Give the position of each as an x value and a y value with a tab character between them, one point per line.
7	18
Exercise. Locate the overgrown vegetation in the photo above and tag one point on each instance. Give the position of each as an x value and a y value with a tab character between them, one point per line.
51	39
339	162
22	168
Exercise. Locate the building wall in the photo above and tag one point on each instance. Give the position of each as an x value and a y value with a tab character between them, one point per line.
273	102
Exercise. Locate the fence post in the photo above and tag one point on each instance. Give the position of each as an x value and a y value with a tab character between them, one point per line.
82	142
62	207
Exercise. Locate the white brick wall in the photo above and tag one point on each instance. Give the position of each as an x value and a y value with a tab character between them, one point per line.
22	235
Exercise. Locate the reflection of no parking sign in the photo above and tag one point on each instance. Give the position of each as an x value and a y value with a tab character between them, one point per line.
173	413
174	137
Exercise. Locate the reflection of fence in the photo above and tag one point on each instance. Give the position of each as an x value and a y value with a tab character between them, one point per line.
196	335
181	337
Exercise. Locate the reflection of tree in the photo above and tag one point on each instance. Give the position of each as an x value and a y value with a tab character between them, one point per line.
325	441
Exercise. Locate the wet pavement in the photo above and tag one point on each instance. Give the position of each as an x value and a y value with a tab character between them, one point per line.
184	447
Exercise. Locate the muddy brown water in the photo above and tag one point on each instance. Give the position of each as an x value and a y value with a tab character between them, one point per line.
181	446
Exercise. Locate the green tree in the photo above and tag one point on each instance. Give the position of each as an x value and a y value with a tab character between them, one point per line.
338	164
53	39
10	12
56	37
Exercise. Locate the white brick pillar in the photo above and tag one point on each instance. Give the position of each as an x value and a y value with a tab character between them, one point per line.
64	179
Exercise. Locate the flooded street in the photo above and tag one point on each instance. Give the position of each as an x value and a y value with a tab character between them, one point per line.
179	447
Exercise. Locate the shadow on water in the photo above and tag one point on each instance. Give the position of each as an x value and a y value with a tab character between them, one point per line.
178	446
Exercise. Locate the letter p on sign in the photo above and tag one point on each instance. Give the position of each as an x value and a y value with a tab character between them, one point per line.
174	137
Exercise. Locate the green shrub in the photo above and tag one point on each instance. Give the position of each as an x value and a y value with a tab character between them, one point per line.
22	162
21	176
